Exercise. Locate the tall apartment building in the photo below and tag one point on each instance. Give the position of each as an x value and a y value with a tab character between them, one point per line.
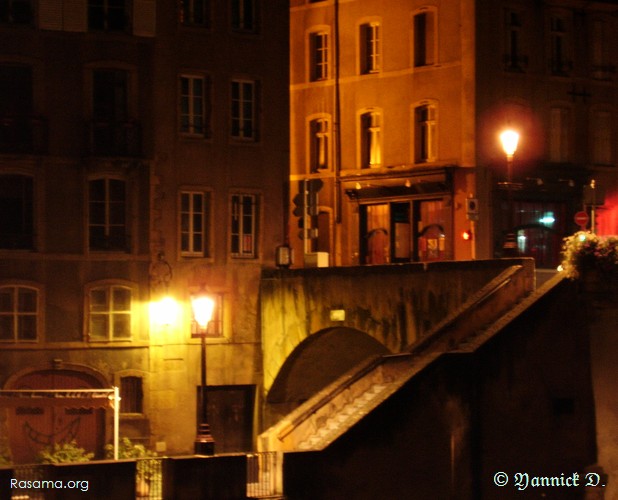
143	154
396	109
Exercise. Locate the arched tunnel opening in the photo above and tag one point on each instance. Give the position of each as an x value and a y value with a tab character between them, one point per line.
316	362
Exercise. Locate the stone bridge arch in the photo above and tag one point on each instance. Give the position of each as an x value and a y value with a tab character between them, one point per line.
317	361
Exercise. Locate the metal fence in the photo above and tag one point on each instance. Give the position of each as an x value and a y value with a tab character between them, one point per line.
149	478
264	475
28	474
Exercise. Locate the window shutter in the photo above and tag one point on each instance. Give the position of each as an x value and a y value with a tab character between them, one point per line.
75	15
50	14
144	17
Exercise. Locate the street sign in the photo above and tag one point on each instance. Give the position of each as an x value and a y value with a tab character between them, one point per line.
581	219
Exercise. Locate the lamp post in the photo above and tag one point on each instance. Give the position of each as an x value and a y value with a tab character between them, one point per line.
203	308
509	140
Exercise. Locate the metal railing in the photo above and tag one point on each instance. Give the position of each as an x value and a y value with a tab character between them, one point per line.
28	474
264	475
149	478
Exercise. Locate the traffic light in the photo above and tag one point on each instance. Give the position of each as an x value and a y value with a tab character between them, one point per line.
467	235
313	186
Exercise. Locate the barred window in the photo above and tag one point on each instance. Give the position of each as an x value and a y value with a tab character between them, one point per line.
131	395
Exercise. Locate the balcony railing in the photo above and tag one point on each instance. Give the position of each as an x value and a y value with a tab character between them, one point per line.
23	135
115	138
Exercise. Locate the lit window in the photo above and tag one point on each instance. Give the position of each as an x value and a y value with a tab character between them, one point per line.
194	212
244	211
107	215
16	207
195	13
425	133
424	39
109	313
370	48
194	106
319	144
371	152
319	56
19	311
244	97
244	15
107	15
131	395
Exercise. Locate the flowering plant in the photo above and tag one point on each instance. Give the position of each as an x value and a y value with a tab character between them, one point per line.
585	251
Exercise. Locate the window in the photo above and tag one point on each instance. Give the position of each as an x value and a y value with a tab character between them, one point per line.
19	311
243	241
16	11
602	69
113	133
424	39
107	15
109	313
559	124
17	209
602	131
425	133
18	128
370	48
194	224
194	106
371	154
195	13
318	48
244	101
244	15
559	60
319	143
131	395
513	58
107	214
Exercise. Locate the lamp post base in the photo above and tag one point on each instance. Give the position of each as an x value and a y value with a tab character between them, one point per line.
204	442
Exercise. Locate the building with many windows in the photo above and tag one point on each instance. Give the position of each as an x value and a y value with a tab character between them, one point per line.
397	109
143	155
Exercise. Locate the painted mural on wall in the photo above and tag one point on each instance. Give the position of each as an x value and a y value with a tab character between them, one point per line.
41	421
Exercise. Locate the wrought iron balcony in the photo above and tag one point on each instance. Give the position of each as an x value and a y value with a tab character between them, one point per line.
115	138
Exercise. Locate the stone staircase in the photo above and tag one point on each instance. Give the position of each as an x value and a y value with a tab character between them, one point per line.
334	410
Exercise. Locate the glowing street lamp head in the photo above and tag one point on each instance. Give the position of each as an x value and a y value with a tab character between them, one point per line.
203	307
509	140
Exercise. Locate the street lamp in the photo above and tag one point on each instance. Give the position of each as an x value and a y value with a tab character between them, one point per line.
203	307
509	140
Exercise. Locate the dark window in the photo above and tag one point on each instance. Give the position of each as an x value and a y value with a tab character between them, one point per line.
107	215
107	15
195	105
244	226
16	11
194	220
16	209
18	127
244	15
131	395
244	101
195	13
424	39
319	56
